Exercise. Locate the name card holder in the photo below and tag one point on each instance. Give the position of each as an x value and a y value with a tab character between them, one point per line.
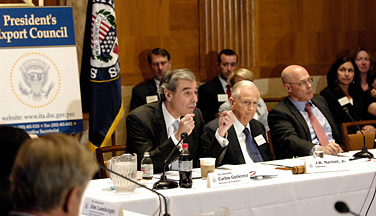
326	165
228	177
94	207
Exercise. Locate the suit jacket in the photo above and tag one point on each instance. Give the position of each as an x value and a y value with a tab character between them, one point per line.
146	131
139	93
289	131
232	154
208	99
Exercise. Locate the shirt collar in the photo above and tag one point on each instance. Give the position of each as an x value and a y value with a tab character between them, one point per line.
223	82
300	105
157	82
239	127
167	116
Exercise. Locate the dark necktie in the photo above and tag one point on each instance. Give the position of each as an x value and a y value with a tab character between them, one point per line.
228	91
252	149
319	130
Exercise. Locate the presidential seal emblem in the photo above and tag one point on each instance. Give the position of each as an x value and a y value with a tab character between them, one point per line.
35	80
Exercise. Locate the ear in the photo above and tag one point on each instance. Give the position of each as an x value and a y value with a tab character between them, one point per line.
287	87
167	94
232	102
72	201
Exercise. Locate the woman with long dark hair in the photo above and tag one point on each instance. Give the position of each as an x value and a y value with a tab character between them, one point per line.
343	90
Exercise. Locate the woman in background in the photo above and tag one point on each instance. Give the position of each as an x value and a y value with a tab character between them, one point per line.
344	92
363	60
244	74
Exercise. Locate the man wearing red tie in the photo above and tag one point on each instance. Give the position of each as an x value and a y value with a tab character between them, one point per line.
301	121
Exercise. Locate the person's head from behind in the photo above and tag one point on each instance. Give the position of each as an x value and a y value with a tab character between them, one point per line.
50	174
227	62
11	139
239	75
363	59
244	99
297	82
160	62
178	90
342	72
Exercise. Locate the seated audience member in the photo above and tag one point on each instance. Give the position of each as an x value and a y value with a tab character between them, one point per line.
11	139
244	74
247	142
49	176
159	62
363	59
343	90
301	121
157	127
213	93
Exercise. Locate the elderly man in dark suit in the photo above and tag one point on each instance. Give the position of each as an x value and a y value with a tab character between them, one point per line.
215	92
301	121
159	62
247	141
157	127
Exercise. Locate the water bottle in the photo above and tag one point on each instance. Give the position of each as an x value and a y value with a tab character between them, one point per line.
147	167
185	168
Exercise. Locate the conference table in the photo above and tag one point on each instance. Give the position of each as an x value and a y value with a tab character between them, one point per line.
284	194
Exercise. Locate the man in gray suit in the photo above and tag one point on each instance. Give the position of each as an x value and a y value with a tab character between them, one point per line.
292	130
243	101
156	127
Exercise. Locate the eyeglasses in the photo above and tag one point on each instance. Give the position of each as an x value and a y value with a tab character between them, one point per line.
304	83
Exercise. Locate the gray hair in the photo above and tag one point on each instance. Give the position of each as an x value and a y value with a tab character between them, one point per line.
46	169
170	80
238	86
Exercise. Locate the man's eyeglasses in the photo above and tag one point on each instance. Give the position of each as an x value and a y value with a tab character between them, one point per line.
304	83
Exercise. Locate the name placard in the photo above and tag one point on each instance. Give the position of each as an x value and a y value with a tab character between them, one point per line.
94	207
228	177
326	165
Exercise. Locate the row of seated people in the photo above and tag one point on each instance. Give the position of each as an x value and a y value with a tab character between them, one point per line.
150	128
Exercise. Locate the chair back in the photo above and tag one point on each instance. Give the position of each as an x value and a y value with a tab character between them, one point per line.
99	154
270	143
355	141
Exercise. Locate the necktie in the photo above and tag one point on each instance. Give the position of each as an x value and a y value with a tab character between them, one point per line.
319	130
252	149
173	128
228	91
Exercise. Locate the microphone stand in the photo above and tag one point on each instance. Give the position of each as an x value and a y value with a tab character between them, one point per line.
364	153
163	182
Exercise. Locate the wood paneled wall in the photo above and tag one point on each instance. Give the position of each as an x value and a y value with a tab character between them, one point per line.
267	34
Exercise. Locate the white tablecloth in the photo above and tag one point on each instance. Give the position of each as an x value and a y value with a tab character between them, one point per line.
287	194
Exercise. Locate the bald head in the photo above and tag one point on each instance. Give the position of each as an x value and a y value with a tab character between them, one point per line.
241	85
291	72
296	81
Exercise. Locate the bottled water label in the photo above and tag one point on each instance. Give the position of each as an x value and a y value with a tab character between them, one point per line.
147	170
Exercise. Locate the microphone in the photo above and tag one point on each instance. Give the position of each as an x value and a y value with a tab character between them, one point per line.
141	185
342	207
364	153
163	182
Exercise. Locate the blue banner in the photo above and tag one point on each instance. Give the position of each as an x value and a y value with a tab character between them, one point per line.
36	26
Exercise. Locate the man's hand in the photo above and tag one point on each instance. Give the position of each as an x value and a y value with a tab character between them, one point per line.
332	149
186	124
225	121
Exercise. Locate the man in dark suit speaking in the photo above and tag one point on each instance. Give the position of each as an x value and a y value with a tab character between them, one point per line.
247	141
157	127
301	121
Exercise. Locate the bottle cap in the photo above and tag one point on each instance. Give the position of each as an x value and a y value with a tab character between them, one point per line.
185	145
146	154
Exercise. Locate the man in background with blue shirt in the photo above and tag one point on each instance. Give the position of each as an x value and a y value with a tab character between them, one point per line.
291	128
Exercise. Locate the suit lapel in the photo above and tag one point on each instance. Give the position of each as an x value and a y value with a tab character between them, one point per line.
159	125
299	117
235	146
